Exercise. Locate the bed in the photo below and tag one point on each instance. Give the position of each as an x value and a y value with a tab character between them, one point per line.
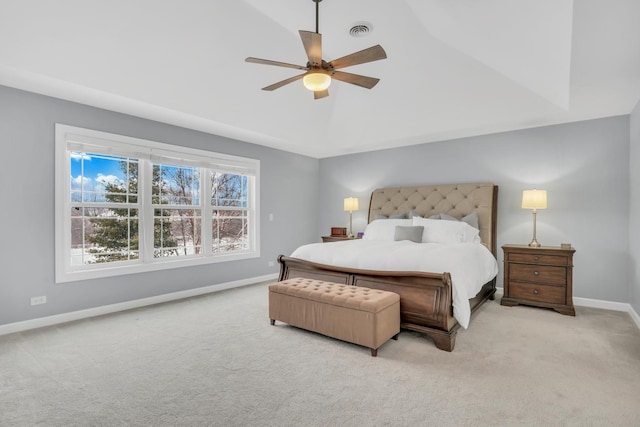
426	297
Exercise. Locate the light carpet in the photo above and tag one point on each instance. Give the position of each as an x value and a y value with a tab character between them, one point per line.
215	360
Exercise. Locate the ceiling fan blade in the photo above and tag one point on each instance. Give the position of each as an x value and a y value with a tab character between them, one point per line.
356	79
373	53
318	94
276	63
312	43
283	82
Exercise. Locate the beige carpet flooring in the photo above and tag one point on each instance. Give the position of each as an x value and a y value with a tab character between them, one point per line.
214	360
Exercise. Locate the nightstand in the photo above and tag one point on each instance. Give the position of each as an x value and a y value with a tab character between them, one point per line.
326	239
541	277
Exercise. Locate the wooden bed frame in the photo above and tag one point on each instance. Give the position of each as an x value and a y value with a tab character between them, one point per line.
425	298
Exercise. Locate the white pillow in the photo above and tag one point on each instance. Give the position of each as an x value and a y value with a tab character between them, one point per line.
384	229
438	231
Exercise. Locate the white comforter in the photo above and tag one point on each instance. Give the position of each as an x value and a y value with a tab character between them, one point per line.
471	265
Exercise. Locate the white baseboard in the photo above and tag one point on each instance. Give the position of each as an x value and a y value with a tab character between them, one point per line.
127	305
634	316
605	305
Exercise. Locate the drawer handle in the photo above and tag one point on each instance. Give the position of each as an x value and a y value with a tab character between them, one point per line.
536	292
535	273
535	258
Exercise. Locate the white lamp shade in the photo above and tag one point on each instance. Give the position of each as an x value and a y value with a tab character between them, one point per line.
351	204
534	199
316	81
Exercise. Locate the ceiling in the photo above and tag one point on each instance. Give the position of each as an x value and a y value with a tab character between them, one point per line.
455	68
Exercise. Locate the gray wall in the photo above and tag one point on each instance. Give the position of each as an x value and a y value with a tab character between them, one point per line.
634	213
583	166
27	206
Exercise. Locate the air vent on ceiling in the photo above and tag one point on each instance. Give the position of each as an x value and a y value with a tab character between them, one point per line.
360	29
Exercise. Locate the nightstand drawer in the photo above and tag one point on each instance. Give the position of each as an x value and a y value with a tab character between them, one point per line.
538	273
537	292
538	259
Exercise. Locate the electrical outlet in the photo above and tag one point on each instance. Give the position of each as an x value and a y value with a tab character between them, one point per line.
271	263
38	300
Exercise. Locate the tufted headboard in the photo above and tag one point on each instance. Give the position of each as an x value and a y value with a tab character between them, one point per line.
457	200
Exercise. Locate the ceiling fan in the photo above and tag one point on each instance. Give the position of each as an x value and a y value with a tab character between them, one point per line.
319	73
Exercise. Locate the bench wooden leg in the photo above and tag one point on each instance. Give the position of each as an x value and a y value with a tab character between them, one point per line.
273	322
374	352
395	337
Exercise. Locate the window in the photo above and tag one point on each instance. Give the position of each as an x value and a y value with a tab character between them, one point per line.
126	205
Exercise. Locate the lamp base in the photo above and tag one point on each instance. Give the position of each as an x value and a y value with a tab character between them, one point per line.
350	236
534	243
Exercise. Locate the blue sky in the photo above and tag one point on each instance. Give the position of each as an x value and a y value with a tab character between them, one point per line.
98	170
94	166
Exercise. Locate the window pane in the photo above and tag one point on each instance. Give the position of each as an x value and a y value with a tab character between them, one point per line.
99	178
100	235
228	190
230	231
177	232
176	185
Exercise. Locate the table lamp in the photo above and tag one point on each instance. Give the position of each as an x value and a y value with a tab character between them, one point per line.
534	199
351	204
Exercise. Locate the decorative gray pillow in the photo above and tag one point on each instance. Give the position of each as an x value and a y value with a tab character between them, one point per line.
471	219
413	233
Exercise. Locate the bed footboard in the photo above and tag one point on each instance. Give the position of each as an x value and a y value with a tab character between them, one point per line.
425	298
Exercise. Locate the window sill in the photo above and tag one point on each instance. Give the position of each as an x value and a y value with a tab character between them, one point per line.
112	270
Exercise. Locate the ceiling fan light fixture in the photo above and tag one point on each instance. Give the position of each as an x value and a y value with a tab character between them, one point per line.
316	81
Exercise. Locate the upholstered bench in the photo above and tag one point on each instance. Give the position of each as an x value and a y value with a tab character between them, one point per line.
368	317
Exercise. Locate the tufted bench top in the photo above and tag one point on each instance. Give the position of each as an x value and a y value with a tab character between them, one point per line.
354	297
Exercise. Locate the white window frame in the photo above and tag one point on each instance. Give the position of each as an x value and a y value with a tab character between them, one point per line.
69	138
